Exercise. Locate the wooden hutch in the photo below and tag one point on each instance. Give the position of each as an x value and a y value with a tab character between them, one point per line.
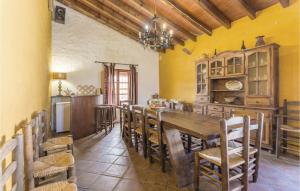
255	70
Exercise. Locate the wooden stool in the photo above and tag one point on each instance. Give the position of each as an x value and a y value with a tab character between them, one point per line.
104	118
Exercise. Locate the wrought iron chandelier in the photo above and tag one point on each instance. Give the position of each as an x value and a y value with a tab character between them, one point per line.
156	36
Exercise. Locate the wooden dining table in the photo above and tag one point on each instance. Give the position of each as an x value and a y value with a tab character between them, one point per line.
199	126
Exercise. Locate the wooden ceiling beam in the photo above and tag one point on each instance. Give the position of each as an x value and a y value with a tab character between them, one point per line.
249	10
77	6
83	9
184	13
215	12
133	16
284	3
148	11
110	14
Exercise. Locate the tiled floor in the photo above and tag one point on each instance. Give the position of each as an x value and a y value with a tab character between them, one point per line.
103	163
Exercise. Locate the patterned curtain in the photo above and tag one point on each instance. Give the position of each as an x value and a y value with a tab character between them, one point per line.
109	87
133	91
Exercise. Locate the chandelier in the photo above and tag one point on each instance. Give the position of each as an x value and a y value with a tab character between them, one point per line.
156	36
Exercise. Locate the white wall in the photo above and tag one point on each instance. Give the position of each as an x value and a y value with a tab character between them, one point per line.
80	41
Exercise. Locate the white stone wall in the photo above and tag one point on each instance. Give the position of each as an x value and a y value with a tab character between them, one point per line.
80	41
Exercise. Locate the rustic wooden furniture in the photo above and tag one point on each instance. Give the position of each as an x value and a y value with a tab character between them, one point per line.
256	69
139	129
255	149
226	158
14	169
104	117
124	102
49	145
83	116
155	144
197	125
127	124
288	129
43	167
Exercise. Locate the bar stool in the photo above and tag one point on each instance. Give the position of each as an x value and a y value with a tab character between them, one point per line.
104	118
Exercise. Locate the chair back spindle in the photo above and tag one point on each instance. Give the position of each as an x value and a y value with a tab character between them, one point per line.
15	168
227	134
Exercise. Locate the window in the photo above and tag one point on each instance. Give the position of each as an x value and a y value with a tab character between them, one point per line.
121	85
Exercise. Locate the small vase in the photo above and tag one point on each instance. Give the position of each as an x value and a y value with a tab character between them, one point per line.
260	41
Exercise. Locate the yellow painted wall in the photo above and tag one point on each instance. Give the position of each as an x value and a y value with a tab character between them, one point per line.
279	25
25	45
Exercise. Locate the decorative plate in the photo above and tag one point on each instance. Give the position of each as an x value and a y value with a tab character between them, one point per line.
234	85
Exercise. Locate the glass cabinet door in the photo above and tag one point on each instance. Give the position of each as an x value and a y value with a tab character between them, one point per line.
202	79
258	64
216	68
234	66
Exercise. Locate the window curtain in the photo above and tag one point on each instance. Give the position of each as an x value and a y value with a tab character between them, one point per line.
133	85
109	85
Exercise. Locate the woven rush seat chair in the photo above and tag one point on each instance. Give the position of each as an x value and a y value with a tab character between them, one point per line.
16	169
52	164
255	149
156	143
47	166
139	129
127	125
288	130
57	186
49	145
228	175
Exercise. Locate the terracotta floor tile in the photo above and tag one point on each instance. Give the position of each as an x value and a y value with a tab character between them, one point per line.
85	179
106	163
107	158
123	161
98	167
116	170
104	183
128	185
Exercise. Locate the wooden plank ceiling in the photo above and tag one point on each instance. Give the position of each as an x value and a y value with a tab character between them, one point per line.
187	18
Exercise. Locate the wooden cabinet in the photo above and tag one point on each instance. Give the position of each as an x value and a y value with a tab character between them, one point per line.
202	78
262	80
216	66
234	64
256	69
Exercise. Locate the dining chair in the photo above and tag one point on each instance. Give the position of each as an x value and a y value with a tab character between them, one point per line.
139	129
44	145
225	158
38	169
256	138
127	124
288	129
156	145
121	103
14	167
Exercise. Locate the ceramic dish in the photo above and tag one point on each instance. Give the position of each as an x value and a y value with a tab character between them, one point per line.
234	85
